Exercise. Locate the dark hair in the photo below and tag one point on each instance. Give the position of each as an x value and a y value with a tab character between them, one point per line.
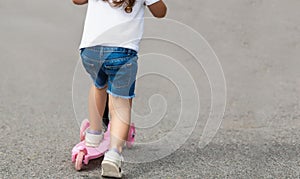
128	4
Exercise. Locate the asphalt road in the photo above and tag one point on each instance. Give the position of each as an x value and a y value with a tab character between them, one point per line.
258	46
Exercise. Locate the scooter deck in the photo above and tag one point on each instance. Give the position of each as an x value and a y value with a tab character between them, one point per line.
91	152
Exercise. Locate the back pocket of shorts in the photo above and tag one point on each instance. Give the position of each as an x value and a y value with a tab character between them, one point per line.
122	73
92	66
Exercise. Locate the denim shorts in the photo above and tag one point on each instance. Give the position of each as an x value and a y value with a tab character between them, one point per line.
114	67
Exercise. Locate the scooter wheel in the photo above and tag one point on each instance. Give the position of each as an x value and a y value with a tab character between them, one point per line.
131	136
84	125
129	144
79	160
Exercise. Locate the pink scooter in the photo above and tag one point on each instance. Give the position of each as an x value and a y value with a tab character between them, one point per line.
82	154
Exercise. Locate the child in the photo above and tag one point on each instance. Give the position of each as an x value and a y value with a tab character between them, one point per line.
109	54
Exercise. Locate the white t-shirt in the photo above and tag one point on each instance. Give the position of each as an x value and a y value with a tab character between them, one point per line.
108	26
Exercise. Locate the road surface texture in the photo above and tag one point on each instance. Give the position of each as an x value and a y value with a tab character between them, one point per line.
258	46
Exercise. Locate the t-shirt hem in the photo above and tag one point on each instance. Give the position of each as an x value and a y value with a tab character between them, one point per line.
133	47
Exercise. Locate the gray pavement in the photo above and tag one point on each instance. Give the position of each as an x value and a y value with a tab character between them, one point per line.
257	42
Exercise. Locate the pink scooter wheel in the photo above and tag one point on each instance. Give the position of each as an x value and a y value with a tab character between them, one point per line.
84	125
131	136
79	160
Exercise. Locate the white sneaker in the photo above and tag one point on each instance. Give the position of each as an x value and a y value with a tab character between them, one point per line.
111	164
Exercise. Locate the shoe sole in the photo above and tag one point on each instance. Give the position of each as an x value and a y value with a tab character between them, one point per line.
110	169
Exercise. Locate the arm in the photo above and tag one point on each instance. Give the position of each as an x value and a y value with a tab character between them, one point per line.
80	2
158	9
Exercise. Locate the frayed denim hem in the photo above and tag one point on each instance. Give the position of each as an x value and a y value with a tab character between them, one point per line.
120	96
98	86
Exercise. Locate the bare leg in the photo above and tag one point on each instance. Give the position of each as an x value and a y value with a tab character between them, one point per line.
97	103
120	111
